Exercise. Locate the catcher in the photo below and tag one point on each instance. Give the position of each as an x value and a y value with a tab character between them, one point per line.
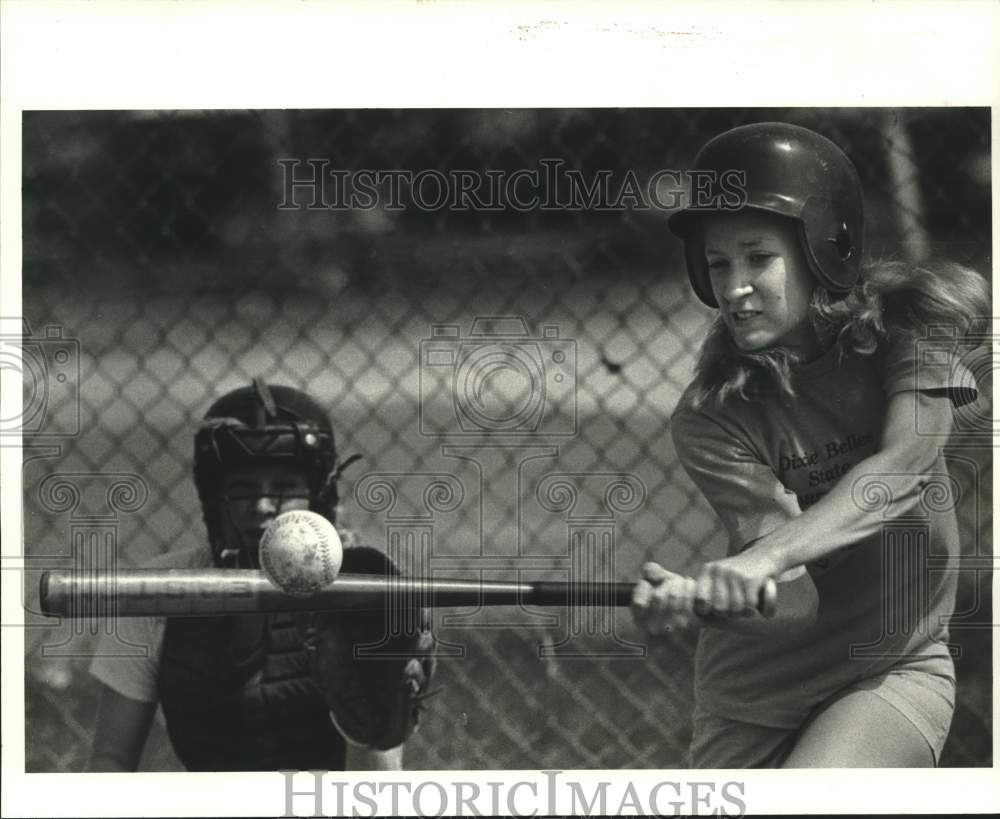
799	429
264	692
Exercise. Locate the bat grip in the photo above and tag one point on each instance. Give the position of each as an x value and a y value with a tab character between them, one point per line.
552	593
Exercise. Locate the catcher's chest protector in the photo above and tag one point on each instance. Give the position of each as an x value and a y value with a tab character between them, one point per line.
237	696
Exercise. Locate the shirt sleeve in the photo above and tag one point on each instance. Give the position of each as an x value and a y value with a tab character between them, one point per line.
936	365
743	490
128	659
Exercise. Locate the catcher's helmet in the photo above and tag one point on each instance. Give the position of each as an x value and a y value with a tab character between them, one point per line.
263	424
792	172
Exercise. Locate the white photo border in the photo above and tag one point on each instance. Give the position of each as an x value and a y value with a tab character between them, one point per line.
193	55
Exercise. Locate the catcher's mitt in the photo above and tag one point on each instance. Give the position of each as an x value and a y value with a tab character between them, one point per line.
372	667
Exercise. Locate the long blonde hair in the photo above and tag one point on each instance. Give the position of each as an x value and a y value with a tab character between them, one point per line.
893	299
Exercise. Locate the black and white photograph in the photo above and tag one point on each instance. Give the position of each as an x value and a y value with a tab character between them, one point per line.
652	441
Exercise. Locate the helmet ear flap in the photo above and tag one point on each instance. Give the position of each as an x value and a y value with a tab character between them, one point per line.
697	265
832	244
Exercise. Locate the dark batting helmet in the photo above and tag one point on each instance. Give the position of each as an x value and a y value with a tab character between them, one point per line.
263	424
789	171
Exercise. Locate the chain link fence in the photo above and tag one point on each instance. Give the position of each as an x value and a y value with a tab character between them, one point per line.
168	258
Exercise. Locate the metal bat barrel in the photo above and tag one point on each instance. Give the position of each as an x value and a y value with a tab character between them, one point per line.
220	592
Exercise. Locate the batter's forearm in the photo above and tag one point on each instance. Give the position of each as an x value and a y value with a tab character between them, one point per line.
883	486
847	513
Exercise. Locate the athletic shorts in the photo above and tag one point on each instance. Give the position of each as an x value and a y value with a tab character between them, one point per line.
927	700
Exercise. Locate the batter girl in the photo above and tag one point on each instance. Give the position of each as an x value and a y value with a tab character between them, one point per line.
801	430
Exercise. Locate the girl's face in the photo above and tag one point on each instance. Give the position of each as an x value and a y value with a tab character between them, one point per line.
252	496
761	280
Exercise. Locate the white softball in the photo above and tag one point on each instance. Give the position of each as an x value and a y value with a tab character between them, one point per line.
301	552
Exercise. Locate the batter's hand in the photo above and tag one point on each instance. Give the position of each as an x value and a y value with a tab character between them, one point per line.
738	585
663	601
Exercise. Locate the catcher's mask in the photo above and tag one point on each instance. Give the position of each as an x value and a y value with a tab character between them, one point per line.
263	425
789	171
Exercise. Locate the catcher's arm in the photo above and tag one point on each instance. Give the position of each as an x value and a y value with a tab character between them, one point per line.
120	732
363	759
664	601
